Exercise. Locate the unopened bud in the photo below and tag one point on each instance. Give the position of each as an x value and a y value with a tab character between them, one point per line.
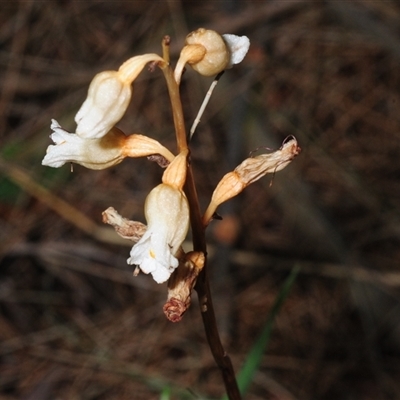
205	51
175	174
209	53
137	145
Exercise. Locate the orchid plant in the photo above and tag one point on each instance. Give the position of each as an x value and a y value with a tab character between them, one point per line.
172	207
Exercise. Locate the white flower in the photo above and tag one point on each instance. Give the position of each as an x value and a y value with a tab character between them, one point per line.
108	97
100	153
167	215
91	153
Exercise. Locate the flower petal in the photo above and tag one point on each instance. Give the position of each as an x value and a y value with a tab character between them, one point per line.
238	46
106	103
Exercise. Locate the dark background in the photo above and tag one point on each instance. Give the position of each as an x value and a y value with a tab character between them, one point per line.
75	324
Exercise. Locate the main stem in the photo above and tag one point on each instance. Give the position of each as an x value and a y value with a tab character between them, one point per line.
199	243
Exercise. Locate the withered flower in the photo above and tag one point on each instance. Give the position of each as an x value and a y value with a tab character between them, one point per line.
249	171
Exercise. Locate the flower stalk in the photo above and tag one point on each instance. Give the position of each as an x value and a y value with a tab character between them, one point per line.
202	286
175	98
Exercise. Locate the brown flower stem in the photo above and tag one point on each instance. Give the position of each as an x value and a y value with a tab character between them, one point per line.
221	358
199	243
174	95
165	48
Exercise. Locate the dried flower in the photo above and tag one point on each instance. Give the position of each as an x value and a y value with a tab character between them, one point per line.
132	230
209	53
100	153
181	284
108	97
249	171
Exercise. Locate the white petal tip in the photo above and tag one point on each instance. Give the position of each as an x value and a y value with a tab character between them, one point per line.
238	45
54	124
160	276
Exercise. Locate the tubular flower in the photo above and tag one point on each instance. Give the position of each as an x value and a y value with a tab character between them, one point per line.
108	97
167	214
100	153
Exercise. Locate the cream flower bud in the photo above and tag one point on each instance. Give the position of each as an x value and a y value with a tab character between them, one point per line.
209	53
167	215
108	97
100	153
137	145
175	174
205	51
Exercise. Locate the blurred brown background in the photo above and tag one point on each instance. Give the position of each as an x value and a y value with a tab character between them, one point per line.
75	324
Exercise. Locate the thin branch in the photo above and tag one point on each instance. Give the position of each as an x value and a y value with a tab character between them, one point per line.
173	90
204	104
25	181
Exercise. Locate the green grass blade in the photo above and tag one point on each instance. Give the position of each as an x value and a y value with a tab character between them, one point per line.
256	353
166	393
